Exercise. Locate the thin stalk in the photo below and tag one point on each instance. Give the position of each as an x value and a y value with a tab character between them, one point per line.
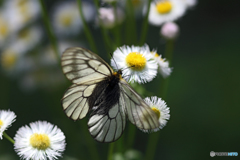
107	41
117	27
154	137
131	134
110	151
145	25
90	143
8	137
86	29
151	146
50	32
131	33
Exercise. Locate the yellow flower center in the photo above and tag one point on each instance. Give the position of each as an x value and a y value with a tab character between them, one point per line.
25	35
24	10
156	111
1	123
155	54
66	20
8	59
164	7
136	61
3	29
40	141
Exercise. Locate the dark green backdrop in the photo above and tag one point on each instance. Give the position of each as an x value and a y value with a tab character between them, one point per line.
203	93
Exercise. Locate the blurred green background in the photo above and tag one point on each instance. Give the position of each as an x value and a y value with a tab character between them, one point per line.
203	93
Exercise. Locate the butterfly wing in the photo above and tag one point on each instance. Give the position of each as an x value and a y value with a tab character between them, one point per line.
82	66
85	69
137	111
110	126
75	101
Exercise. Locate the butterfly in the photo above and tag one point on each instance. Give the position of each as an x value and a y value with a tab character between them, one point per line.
98	89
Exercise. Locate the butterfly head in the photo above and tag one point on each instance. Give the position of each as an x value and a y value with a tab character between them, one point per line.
118	74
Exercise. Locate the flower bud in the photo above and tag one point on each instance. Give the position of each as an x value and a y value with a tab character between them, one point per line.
169	30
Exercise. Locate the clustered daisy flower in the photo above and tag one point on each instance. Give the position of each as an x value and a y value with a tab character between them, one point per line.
6	120
136	62
39	141
163	65
160	108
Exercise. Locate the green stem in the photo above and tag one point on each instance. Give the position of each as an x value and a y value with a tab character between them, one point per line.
117	27
169	50
145	25
131	33
153	138
151	146
50	30
8	137
89	142
131	135
107	41
110	151
86	29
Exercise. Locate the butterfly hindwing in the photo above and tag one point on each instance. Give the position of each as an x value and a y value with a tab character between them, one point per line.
110	126
81	66
75	100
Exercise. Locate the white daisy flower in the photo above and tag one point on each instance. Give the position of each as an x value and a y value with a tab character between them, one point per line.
6	120
67	20
136	62
162	11
107	17
163	64
41	140
160	108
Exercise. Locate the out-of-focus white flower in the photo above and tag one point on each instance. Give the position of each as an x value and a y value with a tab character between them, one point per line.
21	12
169	30
190	3
67	20
5	29
27	38
14	62
6	120
41	140
163	65
108	17
136	62
162	11
160	108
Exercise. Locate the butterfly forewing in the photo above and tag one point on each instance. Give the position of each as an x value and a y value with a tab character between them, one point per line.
138	112
81	66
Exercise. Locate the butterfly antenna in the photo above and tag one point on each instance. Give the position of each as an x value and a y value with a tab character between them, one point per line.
128	67
114	60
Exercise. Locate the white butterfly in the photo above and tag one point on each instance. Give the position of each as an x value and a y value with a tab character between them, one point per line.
97	88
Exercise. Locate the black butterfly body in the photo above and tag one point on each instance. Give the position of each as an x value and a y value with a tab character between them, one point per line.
97	88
